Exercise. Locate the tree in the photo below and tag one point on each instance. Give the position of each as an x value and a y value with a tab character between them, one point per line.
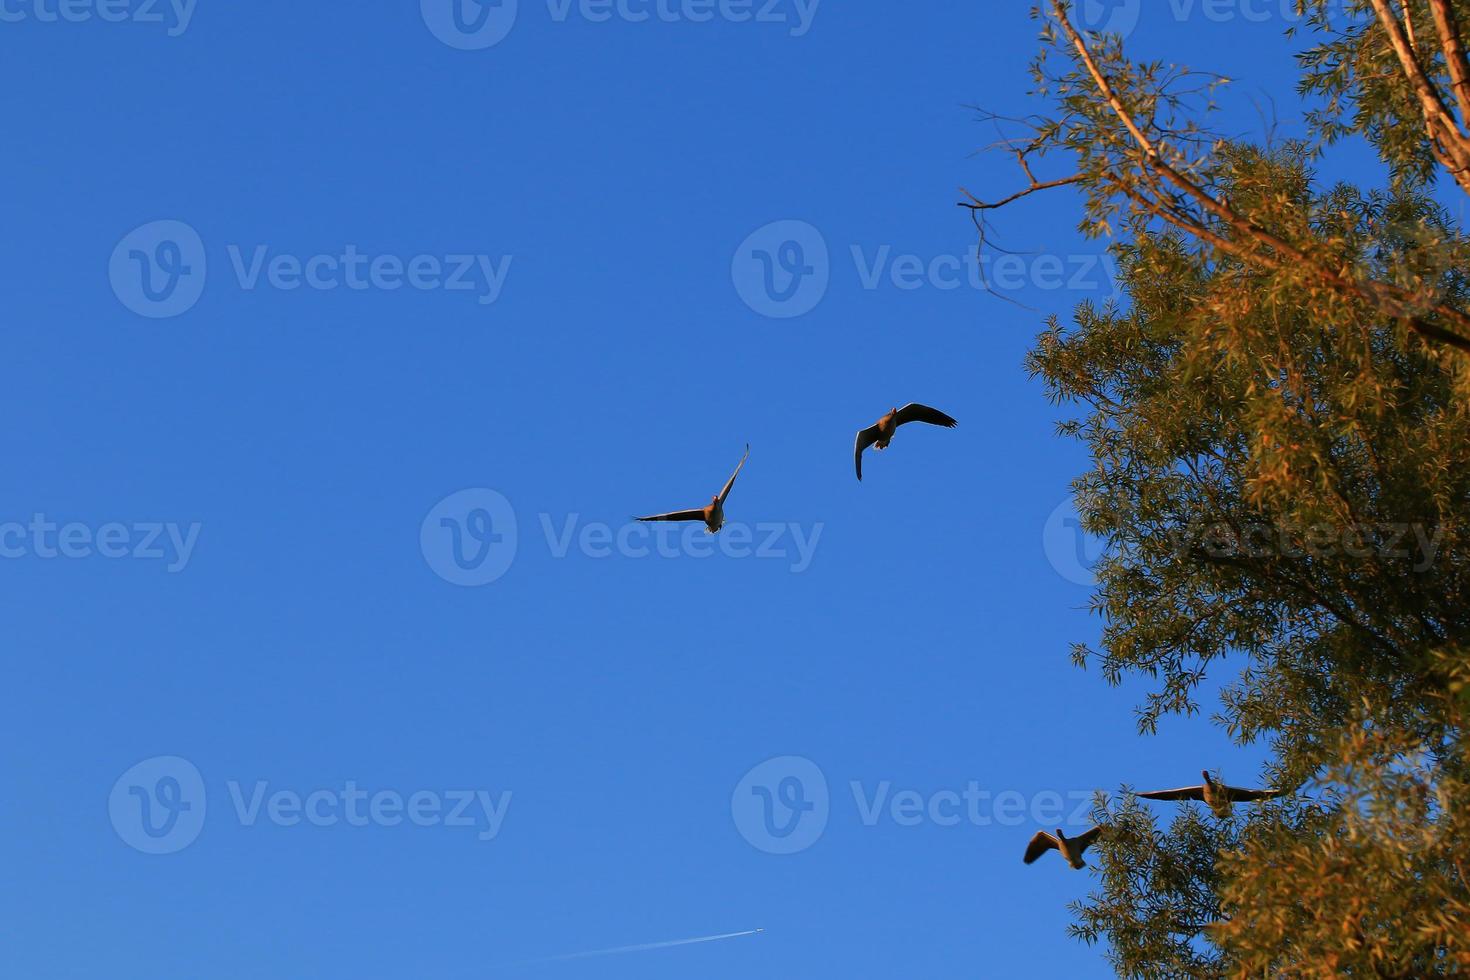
1279	426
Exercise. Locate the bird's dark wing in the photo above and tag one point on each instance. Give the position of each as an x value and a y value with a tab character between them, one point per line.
865	438
726	492
1238	795
914	412
1085	839
678	515
1040	844
1182	793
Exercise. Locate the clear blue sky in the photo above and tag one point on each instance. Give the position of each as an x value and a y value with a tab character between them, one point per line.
304	638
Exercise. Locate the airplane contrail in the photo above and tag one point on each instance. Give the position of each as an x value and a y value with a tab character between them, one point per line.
643	947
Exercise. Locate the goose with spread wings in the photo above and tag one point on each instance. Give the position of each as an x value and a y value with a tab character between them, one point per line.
712	513
880	434
1070	848
1213	793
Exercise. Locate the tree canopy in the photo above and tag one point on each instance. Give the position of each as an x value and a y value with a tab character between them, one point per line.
1280	443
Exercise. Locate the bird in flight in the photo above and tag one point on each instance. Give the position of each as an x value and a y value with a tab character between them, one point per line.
1071	848
1215	795
880	434
712	513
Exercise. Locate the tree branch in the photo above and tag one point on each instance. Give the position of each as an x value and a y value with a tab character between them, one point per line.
975	204
1440	124
1454	53
1384	297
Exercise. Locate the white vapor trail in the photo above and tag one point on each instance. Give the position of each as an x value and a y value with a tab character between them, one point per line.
643	947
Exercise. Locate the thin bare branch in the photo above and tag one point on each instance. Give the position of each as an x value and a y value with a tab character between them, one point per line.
975	204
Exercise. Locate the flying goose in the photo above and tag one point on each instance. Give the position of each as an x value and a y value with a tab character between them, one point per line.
1071	848
880	434
712	513
1216	796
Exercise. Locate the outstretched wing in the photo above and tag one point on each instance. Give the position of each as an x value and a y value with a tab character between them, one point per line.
914	412
726	492
1040	844
1182	793
1085	839
865	438
1238	795
677	515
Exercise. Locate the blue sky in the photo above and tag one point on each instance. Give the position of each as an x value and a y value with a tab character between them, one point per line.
257	599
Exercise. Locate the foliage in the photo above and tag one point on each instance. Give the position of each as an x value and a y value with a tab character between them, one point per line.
1279	426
